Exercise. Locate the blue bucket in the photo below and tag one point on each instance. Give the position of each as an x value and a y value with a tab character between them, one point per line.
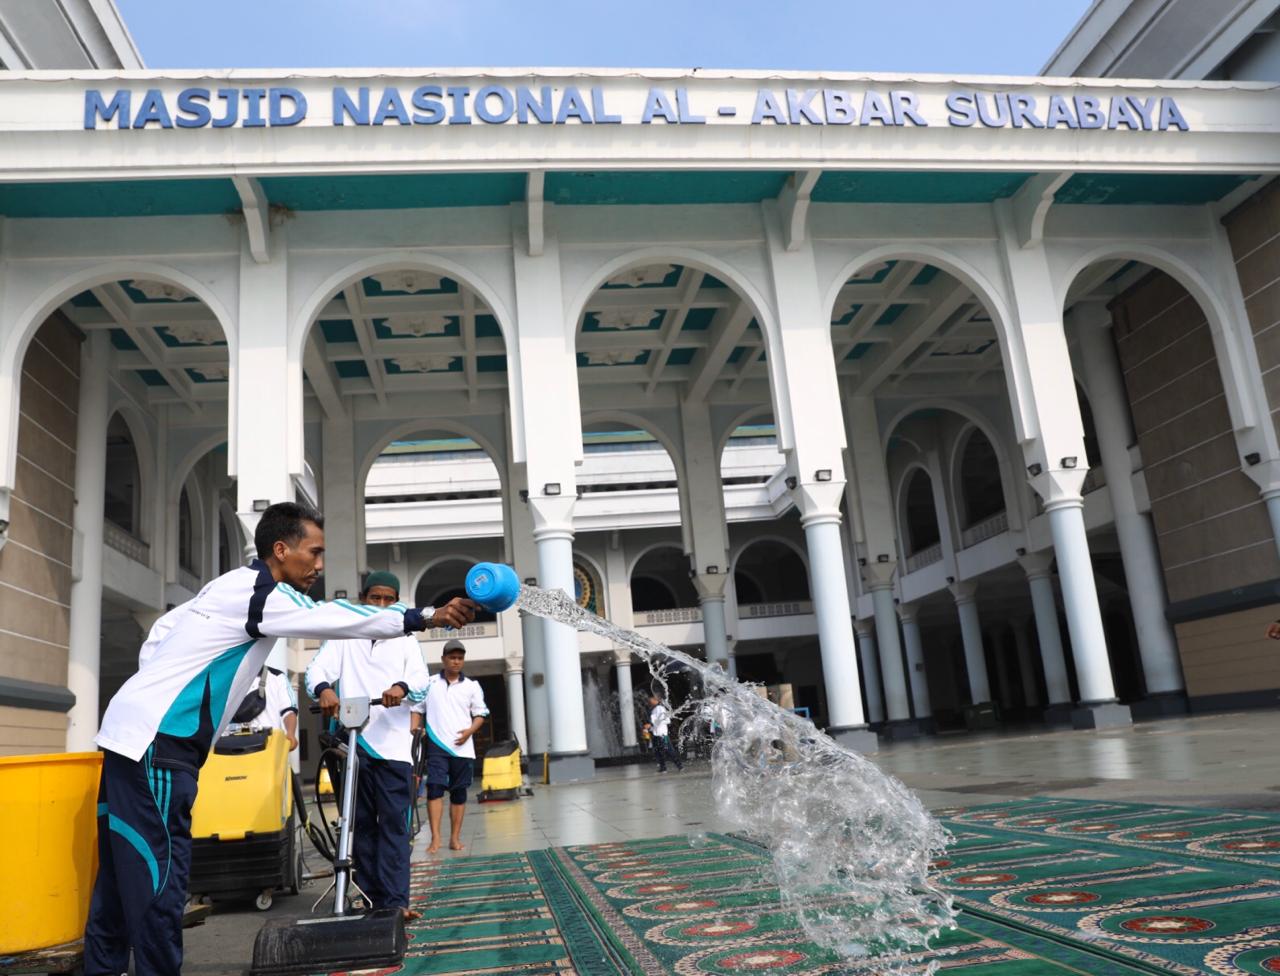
493	585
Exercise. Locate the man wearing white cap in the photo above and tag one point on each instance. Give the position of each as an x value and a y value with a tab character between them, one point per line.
454	710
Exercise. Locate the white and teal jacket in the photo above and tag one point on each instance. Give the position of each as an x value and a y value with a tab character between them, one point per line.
200	659
365	669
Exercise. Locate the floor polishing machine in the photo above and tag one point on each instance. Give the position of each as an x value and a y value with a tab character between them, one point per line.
347	939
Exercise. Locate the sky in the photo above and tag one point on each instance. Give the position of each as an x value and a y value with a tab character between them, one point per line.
976	37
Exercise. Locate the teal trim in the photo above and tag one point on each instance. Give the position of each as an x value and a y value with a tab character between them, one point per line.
679	187
871	186
1178	189
119	198
118	826
363	611
102	809
360	740
395	191
431	733
183	717
285	590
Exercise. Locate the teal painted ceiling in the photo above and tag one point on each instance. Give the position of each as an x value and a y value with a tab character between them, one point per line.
172	197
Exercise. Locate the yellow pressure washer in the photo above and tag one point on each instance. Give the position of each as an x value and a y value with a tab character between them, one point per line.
244	822
500	777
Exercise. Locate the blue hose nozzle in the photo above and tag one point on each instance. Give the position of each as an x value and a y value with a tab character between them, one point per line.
494	586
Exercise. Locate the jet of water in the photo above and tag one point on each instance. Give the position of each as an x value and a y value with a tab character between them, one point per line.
851	846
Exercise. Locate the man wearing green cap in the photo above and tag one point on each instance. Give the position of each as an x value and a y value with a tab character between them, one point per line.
390	670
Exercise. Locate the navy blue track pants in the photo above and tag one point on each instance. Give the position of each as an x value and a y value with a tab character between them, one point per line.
144	859
384	793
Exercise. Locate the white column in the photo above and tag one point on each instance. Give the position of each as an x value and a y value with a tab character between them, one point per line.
1157	645
1080	597
830	595
1026	665
1037	566
1048	425
975	658
267	407
342	497
706	536
626	700
870	658
915	660
85	653
515	703
537	714
897	704
553	537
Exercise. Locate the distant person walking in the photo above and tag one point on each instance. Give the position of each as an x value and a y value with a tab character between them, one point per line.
659	727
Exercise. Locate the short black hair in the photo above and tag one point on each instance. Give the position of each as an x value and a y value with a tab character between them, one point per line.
283	522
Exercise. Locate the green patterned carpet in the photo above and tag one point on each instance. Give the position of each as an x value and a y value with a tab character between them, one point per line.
1047	887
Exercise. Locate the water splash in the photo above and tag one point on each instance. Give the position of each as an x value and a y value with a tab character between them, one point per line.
851	846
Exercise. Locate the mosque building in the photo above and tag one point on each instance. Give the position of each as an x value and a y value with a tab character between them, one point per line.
930	402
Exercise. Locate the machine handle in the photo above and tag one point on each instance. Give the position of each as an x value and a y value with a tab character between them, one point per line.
315	709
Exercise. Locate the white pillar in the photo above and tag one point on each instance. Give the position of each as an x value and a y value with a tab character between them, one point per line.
975	658
1037	566
870	658
1026	665
342	497
266	383
706	534
85	652
1143	573
515	703
626	701
830	594
553	538
897	704
915	660
714	629
1272	499
537	714
1080	597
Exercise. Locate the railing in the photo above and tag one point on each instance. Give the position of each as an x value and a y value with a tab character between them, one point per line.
988	528
793	608
470	630
679	615
1095	479
188	580
125	543
925	557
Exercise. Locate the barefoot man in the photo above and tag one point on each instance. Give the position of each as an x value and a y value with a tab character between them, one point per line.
454	710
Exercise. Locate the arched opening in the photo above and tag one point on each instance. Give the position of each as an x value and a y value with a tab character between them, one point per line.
442	582
981	493
920	513
660	581
186	533
123	505
773	570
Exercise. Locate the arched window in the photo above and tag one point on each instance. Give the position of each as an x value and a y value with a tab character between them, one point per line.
981	493
921	513
441	583
771	573
124	482
186	526
660	581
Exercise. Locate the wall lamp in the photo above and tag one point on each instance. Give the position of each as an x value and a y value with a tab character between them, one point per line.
713	570
822	474
1070	462
1021	551
531	581
1250	459
790	482
951	579
4	526
524	495
551	488
882	558
1034	469
339	594
862	561
261	504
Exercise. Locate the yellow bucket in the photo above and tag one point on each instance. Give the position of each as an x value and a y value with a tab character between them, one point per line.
49	829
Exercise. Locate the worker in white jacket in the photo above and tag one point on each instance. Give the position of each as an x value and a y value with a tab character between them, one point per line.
393	671
195	668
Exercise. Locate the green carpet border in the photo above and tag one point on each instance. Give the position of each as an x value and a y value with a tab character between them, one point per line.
1071	955
591	946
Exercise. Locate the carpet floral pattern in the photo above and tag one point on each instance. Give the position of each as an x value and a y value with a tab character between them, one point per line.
1046	887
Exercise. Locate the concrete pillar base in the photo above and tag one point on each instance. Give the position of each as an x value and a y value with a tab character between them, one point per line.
571	767
1168	705
1103	715
981	715
1059	714
858	739
533	768
902	730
